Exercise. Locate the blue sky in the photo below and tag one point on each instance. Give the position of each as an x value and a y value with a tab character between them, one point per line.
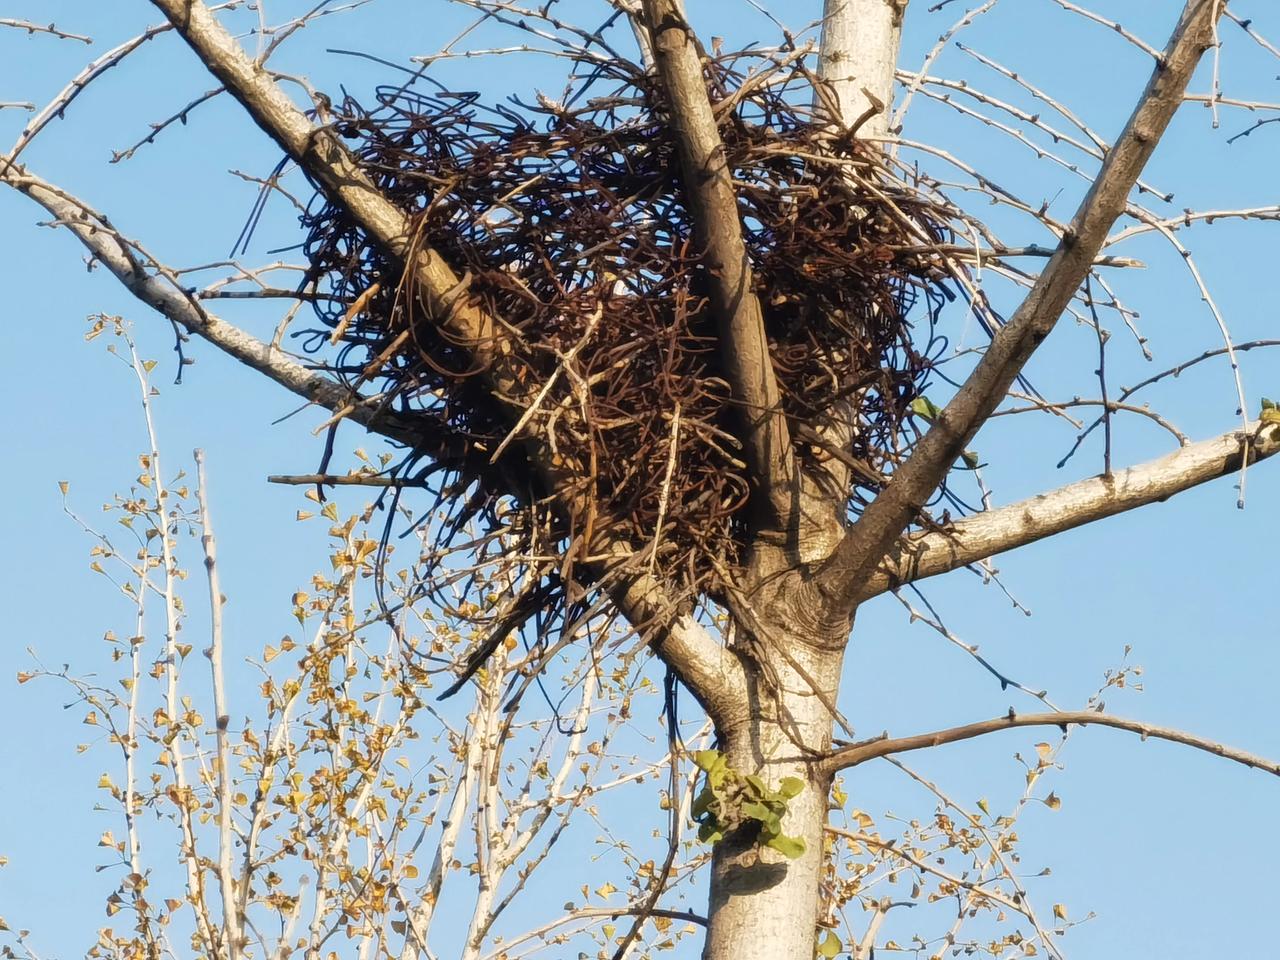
1174	851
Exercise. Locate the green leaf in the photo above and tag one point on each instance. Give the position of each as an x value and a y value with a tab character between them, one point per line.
925	408
1269	404
970	459
758	788
702	803
830	946
710	833
790	787
790	847
706	759
715	765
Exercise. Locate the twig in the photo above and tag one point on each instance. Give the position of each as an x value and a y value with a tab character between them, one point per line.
231	919
49	28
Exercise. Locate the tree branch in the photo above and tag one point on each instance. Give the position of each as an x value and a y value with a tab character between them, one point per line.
711	672
714	675
708	189
323	156
122	258
863	547
1018	524
858	753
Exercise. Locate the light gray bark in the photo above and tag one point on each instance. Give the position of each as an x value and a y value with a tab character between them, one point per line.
763	906
858	57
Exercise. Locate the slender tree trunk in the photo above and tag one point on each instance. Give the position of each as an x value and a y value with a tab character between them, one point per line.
859	53
763	905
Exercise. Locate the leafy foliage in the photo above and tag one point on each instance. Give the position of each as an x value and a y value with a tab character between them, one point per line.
731	802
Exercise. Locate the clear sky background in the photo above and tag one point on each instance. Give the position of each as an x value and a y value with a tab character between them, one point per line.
1173	850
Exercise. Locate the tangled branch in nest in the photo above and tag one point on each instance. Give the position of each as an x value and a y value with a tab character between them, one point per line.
569	224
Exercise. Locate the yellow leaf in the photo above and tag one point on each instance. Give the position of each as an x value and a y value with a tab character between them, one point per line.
1044	750
148	365
1052	801
330	511
312	495
410	871
606	890
305	514
1060	911
104	782
64	487
269	653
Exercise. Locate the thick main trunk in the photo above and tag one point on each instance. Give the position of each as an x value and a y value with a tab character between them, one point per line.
764	906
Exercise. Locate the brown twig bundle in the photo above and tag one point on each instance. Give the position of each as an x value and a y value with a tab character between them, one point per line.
569	224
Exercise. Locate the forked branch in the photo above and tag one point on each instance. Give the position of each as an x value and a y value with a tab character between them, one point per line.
866	543
711	672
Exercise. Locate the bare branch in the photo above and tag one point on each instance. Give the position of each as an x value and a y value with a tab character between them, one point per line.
888	515
119	255
158	127
851	756
231	917
708	187
712	673
1114	25
322	155
1005	528
57	107
48	28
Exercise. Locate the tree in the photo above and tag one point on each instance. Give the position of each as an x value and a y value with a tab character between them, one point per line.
722	423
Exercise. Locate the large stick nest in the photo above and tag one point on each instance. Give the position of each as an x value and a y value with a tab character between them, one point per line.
569	222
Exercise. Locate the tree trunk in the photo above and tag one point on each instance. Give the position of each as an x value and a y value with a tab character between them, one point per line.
763	906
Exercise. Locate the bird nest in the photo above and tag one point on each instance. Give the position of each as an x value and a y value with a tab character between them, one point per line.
569	223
